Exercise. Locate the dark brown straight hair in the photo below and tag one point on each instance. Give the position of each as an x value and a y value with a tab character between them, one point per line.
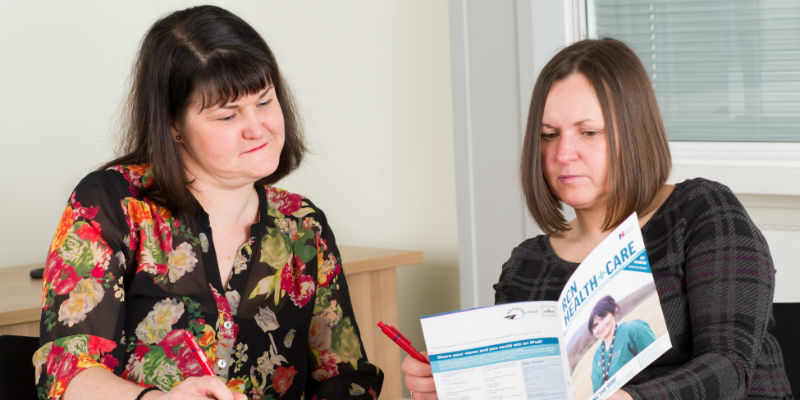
203	51
638	149
606	305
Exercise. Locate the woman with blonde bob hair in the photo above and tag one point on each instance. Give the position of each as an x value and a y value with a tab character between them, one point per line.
595	141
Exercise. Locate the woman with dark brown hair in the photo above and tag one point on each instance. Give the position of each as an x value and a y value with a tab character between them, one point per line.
595	141
184	238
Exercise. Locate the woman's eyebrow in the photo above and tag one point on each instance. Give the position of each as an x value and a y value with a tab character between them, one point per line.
583	121
231	106
264	93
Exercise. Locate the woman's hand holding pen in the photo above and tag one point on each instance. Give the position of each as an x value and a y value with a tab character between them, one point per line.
417	366
419	379
197	387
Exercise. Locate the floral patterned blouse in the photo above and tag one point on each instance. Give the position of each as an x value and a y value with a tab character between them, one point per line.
125	278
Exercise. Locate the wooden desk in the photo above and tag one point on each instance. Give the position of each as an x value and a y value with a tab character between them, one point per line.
21	306
371	276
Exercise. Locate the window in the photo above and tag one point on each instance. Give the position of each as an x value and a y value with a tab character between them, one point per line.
722	70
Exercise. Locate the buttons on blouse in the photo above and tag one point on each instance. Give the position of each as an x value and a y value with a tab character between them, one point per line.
222	363
227	324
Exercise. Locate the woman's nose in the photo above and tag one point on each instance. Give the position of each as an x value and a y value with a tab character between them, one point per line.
254	127
566	149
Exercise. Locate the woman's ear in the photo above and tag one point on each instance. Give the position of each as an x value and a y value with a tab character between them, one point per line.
175	131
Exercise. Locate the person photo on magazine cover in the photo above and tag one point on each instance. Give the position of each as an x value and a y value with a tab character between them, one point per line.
620	342
596	142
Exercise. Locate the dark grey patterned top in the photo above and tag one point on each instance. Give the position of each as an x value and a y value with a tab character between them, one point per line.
715	279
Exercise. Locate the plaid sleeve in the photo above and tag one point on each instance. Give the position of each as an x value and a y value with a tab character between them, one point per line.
728	279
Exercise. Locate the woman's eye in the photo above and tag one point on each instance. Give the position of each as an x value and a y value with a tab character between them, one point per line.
265	103
227	118
549	135
589	133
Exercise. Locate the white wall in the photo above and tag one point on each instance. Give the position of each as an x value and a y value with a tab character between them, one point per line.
372	80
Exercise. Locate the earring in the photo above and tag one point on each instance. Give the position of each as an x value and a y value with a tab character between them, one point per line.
178	138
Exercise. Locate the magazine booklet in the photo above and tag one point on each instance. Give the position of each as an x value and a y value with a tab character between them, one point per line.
543	350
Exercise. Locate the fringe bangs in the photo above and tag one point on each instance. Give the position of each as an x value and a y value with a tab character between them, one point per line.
228	76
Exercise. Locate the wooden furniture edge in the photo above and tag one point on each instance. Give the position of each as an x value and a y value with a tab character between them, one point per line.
25	295
357	259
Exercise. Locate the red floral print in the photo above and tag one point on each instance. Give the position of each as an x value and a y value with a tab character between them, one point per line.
285	202
327	366
300	287
90	232
282	379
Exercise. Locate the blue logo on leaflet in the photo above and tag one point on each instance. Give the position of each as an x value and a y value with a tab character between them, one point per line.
639	264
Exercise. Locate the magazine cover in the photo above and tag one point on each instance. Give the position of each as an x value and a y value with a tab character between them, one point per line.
612	316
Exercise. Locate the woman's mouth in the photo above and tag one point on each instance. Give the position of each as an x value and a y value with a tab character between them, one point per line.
256	148
569	178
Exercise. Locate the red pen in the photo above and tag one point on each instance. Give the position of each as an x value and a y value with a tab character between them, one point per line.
198	352
401	341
